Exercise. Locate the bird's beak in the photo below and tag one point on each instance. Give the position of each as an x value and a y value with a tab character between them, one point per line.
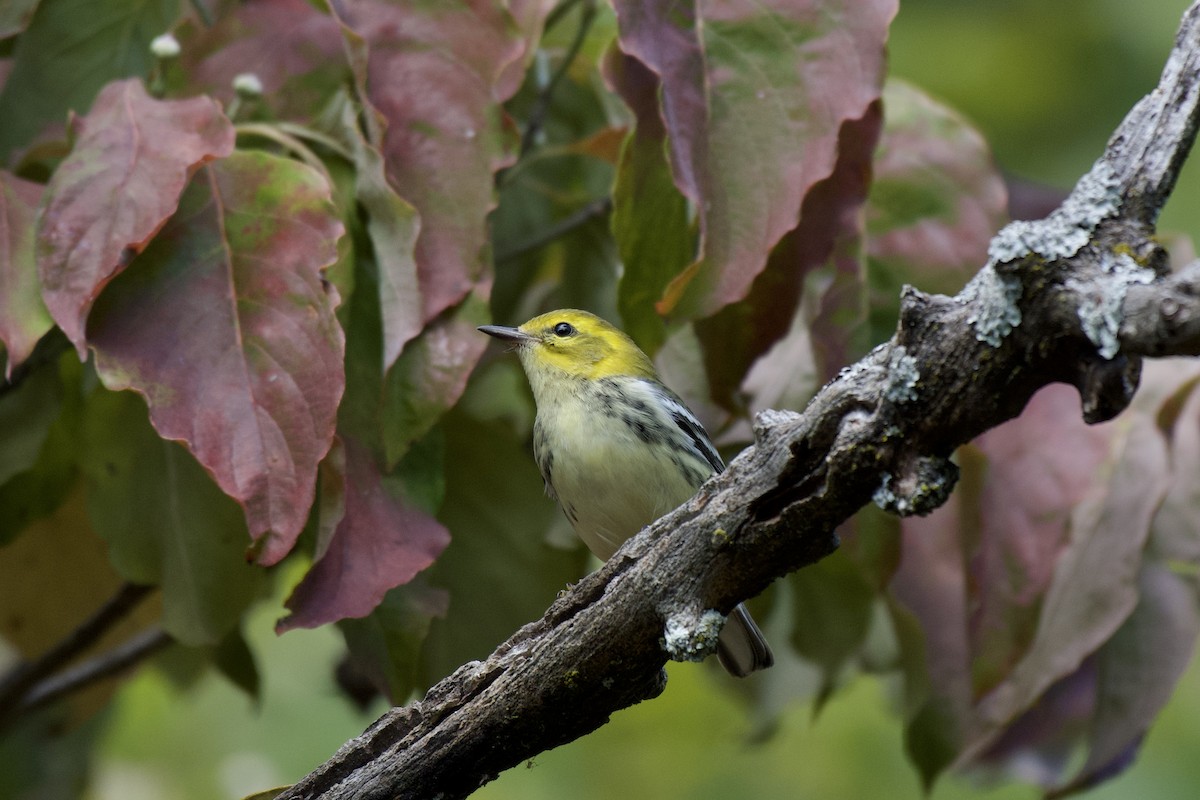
514	335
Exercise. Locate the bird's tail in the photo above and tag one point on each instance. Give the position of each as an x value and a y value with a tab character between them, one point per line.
742	648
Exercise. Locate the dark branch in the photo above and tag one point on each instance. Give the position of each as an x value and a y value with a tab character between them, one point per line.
16	684
575	219
110	662
1078	297
541	105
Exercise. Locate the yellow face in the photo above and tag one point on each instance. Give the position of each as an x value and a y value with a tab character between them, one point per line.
575	342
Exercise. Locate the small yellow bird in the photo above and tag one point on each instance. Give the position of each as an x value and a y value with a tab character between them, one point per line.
616	447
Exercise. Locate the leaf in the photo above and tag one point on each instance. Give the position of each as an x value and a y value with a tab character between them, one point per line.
929	597
1178	518
381	541
23	315
235	660
393	225
812	289
753	100
225	326
122	181
430	375
650	216
832	604
27	412
1094	586
165	522
1137	671
499	570
69	51
39	445
1030	567
15	16
1040	467
386	644
289	45
437	73
936	200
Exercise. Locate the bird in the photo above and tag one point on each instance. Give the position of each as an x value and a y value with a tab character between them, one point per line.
616	448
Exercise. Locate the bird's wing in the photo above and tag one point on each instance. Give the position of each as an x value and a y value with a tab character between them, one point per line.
688	423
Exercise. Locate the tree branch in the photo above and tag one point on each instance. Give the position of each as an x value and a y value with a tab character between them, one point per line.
1077	297
110	662
18	681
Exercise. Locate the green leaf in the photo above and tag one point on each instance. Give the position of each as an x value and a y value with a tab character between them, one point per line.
23	315
39	436
71	49
832	603
235	661
165	521
936	200
15	16
650	217
386	644
392	224
431	374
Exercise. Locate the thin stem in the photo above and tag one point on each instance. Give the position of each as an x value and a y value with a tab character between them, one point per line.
203	12
557	13
541	105
108	663
15	685
564	226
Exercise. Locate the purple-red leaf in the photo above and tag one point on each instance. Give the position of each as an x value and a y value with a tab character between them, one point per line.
1031	567
1094	586
293	49
1138	669
377	541
823	257
23	316
438	73
225	326
753	97
118	186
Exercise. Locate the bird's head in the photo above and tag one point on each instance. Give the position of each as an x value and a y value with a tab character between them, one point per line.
574	342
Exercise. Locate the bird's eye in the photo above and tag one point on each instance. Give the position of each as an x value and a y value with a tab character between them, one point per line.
564	329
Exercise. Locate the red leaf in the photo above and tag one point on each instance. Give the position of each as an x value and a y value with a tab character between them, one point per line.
1040	466
121	182
225	326
753	100
23	317
380	542
823	255
437	73
282	42
1038	567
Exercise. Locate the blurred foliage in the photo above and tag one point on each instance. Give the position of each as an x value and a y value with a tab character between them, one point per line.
289	279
